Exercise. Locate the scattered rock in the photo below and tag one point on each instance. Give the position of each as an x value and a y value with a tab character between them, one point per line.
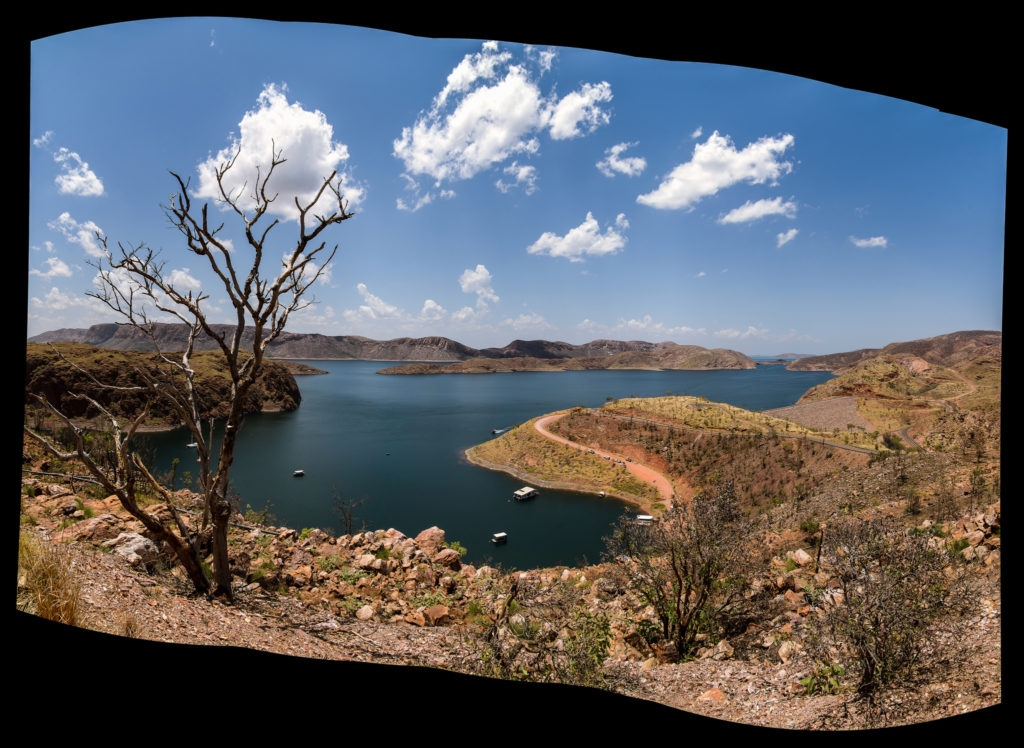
714	695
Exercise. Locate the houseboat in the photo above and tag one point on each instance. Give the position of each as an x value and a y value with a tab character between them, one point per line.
499	537
525	493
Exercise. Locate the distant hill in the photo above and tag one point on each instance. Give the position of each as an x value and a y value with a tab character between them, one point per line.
48	375
316	346
663	356
944	350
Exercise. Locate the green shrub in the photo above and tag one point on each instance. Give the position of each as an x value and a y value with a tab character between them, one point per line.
823	679
456	546
330	562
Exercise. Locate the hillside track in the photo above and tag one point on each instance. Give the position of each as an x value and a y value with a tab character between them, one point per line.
665	488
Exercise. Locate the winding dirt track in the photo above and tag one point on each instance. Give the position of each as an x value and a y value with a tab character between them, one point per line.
646	474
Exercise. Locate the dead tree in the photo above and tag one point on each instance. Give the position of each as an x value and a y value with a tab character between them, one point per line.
263	292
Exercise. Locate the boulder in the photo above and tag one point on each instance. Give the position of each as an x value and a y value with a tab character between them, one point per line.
365	613
104	527
134	547
801	557
448	558
723	651
431	540
975	537
437	615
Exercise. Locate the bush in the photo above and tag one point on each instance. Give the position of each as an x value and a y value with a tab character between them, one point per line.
690	565
541	634
899	594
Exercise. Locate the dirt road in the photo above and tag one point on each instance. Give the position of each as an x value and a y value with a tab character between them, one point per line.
644	473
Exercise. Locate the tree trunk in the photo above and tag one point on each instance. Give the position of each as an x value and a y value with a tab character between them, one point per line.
221	563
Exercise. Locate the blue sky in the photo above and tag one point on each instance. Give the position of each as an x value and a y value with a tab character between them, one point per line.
506	191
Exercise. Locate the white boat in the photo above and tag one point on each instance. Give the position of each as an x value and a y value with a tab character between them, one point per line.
193	445
499	537
299	473
525	493
644	519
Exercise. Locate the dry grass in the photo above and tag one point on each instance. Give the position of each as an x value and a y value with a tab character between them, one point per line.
47	585
698	413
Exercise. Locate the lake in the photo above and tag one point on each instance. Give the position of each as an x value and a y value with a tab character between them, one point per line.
397	443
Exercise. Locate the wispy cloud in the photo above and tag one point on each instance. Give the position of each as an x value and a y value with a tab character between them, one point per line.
874	241
716	165
613	164
525	176
645	325
43	140
785	237
83	234
697	133
586	239
306	141
751	211
528	321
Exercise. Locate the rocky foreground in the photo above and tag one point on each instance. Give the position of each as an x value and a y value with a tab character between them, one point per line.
387	598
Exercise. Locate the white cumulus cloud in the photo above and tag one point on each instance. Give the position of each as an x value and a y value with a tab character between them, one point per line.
630	166
77	178
183	281
717	164
785	237
489	111
305	140
478	281
579	112
751	211
585	239
432	311
83	234
57	268
874	241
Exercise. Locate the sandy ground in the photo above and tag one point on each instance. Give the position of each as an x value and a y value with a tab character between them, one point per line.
832	413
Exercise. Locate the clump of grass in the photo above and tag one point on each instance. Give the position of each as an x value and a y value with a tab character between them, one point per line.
51	589
130	625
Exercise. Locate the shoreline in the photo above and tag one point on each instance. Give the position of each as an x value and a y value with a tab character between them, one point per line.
530	478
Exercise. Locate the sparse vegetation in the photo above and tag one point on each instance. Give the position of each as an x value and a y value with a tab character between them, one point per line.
47	584
689	565
898	593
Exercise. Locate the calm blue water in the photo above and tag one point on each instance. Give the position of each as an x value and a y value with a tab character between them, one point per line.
398	443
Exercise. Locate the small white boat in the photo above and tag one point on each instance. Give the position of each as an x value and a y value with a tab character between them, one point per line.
524	493
644	519
499	537
193	445
299	473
